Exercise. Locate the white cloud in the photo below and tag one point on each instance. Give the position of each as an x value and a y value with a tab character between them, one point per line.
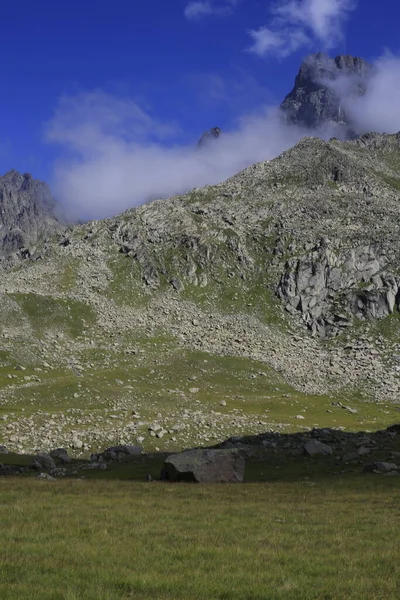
198	9
282	43
378	108
116	159
298	23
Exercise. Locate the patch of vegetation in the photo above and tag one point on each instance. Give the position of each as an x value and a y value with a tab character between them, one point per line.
69	276
394	182
388	327
126	286
47	312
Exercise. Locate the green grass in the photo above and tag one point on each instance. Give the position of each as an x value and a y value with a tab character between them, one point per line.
392	181
112	540
47	312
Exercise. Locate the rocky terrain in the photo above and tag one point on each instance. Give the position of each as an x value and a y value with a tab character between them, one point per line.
320	452
314	102
257	304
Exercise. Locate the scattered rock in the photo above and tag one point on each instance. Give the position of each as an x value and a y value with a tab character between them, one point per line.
58	472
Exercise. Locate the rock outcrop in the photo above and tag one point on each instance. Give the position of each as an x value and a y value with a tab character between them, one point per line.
28	213
329	287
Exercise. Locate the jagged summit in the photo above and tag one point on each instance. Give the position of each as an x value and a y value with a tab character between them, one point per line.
209	136
313	102
27	211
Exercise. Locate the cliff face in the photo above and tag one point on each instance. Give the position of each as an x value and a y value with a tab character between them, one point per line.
314	103
27	211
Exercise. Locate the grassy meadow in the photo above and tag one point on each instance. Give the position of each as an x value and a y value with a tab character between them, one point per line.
316	539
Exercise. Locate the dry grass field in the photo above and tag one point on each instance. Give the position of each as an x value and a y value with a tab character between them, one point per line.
316	539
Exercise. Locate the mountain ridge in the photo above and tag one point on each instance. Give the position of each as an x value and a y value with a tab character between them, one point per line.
237	307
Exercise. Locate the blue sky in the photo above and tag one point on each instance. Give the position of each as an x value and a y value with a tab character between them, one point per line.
187	65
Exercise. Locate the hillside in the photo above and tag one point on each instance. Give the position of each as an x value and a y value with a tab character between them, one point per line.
255	304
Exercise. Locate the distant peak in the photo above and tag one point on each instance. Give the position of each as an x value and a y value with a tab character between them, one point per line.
313	102
209	136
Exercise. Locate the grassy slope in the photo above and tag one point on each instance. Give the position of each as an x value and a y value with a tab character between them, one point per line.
120	540
247	387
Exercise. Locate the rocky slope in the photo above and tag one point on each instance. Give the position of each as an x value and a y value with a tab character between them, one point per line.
313	102
251	305
28	212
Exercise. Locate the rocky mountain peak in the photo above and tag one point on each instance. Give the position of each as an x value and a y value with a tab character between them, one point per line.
209	136
313	101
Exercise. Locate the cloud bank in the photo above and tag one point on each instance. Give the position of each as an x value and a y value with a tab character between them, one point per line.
378	109
296	24
198	9
118	156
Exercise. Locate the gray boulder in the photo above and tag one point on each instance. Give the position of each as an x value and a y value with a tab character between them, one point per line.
44	461
45	477
4	450
205	466
380	467
61	455
316	448
118	452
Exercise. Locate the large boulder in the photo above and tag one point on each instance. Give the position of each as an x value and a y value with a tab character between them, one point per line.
316	448
61	455
205	466
44	461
